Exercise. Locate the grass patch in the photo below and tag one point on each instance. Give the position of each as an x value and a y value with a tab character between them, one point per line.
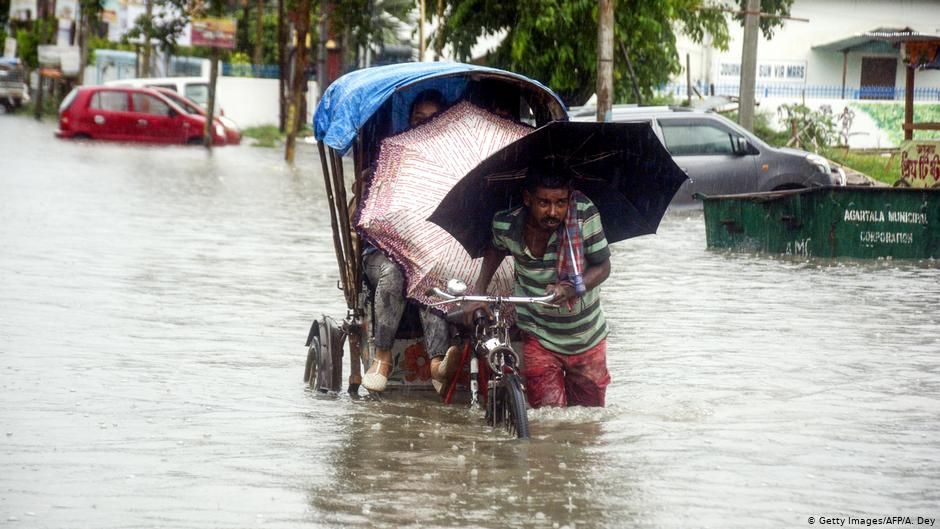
270	136
876	165
264	136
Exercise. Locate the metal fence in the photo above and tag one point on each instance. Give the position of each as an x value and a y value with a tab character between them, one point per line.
811	91
264	71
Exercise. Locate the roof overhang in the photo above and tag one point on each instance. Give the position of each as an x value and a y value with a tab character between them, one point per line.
879	39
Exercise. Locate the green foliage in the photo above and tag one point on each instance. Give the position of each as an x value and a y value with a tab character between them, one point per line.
555	41
815	129
763	128
881	167
165	29
767	25
27	40
890	118
241	64
264	135
373	21
247	25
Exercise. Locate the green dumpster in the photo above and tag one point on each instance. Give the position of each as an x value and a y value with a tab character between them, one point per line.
859	222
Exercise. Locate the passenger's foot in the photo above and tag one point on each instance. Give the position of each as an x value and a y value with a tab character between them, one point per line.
443	369
376	377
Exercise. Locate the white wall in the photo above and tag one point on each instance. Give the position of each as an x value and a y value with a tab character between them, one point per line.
829	20
251	102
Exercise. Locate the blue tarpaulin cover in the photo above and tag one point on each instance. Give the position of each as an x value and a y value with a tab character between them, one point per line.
353	98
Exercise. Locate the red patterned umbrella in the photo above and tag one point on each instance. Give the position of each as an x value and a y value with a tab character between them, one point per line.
415	170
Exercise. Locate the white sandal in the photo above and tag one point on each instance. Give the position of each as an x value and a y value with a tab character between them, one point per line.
376	381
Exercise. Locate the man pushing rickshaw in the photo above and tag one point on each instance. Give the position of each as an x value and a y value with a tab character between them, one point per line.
456	168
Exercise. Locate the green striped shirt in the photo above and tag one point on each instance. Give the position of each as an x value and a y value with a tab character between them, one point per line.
560	330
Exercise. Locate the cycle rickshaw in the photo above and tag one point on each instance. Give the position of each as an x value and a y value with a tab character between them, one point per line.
355	113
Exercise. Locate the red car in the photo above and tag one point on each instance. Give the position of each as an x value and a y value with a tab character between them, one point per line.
232	135
130	114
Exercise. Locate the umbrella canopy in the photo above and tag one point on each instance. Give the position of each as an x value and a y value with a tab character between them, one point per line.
415	170
622	167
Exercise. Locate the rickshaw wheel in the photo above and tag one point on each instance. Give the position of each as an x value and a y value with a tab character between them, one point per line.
312	369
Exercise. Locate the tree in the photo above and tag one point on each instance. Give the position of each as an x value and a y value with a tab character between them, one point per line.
372	21
555	41
165	24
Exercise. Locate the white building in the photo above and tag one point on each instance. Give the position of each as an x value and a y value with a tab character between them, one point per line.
812	57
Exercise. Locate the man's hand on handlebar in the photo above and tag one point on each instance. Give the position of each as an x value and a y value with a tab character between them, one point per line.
473	310
563	291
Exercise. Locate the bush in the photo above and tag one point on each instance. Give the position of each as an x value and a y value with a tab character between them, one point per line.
815	129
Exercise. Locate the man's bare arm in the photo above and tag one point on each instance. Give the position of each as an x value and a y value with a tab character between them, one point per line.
492	258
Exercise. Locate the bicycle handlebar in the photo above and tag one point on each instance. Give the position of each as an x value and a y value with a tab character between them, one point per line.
516	300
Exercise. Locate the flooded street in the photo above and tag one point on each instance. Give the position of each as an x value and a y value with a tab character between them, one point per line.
154	303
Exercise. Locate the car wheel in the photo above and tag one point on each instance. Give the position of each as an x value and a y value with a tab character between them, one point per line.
81	136
195	140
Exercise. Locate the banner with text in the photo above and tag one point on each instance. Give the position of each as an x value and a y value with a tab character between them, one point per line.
920	163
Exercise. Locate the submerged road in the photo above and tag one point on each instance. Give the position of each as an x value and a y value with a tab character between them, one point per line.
154	302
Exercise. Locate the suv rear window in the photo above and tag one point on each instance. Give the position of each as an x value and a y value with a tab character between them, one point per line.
198	93
109	101
686	139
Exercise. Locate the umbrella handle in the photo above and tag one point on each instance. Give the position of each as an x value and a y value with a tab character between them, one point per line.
577	280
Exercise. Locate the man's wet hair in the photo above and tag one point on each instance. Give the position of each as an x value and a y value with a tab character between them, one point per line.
548	174
428	96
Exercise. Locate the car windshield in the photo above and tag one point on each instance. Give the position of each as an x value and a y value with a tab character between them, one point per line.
188	106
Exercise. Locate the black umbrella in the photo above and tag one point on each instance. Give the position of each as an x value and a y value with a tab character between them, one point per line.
622	167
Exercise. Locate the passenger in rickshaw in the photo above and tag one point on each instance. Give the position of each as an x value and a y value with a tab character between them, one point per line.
387	282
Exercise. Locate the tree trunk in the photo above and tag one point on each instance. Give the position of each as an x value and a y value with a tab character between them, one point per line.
282	66
84	34
145	67
636	86
258	57
210	110
605	59
439	42
301	20
749	65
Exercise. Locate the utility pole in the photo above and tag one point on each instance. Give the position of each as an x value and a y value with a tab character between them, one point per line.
321	50
749	65
605	59
420	30
145	67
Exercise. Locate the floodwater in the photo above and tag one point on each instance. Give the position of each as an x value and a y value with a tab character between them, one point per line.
154	302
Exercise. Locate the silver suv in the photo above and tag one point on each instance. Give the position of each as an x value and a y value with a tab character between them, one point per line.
720	157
